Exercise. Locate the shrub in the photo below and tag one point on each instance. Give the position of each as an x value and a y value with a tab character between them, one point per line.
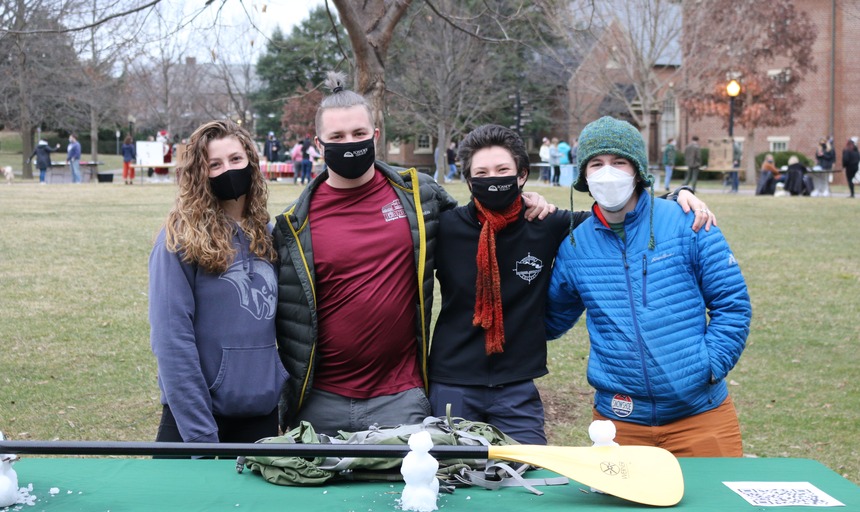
780	158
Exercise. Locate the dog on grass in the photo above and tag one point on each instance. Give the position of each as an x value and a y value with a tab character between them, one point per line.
7	173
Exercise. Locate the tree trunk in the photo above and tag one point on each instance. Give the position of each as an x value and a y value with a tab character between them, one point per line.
27	133
442	136
751	176
370	26
94	135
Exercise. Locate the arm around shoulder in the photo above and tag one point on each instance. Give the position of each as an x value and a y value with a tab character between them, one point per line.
564	305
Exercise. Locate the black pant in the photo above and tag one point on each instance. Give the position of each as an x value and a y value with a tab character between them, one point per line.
230	429
556	174
849	173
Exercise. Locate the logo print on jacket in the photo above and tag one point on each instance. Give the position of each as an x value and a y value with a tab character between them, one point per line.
529	268
258	295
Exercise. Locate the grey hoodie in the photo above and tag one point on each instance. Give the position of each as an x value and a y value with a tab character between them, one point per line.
214	338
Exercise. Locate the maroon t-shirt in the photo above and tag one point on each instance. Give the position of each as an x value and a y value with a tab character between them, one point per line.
366	288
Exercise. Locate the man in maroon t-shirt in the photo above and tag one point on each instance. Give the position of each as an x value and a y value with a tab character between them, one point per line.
364	365
355	284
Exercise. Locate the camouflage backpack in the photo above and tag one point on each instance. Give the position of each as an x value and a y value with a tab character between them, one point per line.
299	471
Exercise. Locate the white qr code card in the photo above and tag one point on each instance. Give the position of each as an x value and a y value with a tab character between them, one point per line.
783	494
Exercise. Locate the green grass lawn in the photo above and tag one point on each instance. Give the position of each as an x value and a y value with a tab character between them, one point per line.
74	335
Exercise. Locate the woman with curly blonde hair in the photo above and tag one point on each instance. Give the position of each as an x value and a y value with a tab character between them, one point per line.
212	296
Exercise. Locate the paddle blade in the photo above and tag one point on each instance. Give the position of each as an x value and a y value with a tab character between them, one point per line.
644	474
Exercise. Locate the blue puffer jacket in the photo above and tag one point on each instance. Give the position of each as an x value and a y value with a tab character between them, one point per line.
666	325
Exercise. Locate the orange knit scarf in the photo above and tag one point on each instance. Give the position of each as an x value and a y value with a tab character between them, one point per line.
488	292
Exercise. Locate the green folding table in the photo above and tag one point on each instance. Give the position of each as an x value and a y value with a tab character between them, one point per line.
138	484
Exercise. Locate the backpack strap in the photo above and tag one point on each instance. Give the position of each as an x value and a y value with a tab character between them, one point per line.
501	474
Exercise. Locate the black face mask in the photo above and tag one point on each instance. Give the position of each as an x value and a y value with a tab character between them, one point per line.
496	193
233	183
350	160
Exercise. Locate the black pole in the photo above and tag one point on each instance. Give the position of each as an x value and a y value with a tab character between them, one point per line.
232	449
519	121
731	118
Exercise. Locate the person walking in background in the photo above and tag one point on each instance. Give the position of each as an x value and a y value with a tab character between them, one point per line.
825	157
669	161
129	155
543	154
850	161
564	153
272	148
693	159
632	266
309	153
555	162
451	155
73	158
42	152
212	296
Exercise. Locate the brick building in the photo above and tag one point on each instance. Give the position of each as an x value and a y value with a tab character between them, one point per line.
831	95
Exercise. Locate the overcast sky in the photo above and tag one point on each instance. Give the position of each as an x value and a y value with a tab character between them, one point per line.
232	34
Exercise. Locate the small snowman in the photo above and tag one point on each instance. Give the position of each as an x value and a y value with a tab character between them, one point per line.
602	433
419	472
8	479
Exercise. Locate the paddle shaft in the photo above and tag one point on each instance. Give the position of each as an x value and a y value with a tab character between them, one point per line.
232	449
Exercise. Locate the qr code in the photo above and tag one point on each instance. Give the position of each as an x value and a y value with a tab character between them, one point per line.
784	497
783	494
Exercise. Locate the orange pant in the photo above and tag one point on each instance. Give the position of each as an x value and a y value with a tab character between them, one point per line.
715	433
127	171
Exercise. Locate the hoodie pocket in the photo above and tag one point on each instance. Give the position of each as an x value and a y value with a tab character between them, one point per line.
249	381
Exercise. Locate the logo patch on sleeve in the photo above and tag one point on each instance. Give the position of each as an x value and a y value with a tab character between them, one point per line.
622	405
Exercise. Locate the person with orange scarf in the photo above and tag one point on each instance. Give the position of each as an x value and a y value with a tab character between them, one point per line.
493	267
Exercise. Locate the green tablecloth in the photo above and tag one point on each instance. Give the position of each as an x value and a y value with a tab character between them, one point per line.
116	485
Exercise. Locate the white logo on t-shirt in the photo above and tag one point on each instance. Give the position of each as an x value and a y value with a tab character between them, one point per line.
393	211
529	268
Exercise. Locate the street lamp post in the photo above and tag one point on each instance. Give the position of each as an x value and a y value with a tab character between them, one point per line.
733	88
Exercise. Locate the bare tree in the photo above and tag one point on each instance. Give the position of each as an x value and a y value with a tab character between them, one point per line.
101	47
766	47
38	75
370	25
442	76
628	52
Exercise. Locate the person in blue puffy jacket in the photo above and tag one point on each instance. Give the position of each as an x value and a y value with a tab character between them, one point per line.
668	308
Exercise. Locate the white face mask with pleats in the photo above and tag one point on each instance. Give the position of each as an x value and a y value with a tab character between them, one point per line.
611	187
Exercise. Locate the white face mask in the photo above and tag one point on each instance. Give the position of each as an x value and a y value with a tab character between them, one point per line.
611	187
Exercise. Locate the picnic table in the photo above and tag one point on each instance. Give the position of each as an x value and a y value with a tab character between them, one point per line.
62	169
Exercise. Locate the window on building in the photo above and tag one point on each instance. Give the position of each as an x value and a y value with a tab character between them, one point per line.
667	119
394	147
778	143
781	76
423	144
